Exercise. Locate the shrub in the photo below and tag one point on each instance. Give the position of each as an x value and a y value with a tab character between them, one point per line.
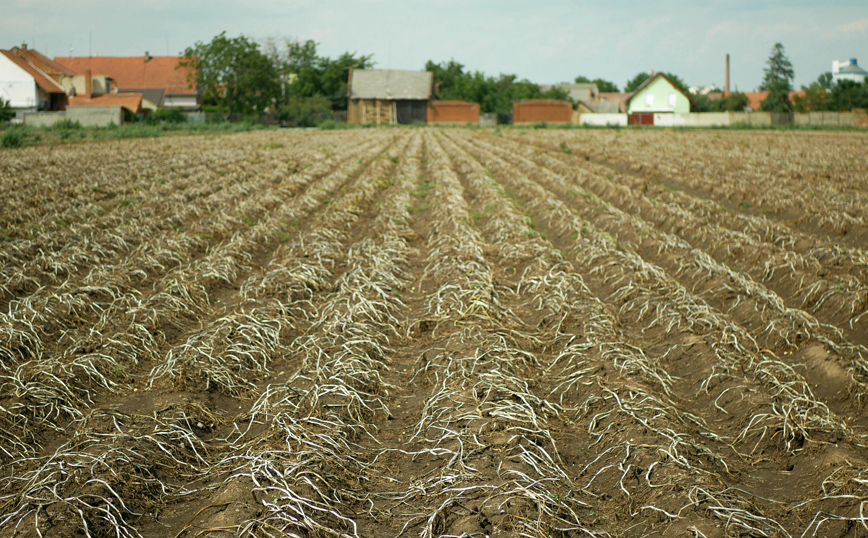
66	125
6	113
167	115
14	137
305	111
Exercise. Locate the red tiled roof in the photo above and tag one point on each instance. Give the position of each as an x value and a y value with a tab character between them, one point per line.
136	71
130	101
755	99
45	64
42	79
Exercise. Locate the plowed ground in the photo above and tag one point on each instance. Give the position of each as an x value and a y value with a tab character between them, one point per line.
432	332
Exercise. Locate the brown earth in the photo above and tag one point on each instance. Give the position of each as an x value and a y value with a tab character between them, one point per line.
435	333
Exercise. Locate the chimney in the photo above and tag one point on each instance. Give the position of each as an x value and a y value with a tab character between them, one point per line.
147	56
652	71
24	46
88	84
726	85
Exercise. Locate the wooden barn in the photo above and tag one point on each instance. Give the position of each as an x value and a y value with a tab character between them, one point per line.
453	112
389	96
542	110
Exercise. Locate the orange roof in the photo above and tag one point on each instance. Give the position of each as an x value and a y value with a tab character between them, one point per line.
130	101
45	64
755	99
20	58
136	71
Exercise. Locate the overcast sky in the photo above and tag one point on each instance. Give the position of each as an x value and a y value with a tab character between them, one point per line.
544	41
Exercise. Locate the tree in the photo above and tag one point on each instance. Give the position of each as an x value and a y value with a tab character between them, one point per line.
634	83
777	81
735	102
233	75
602	85
6	112
494	94
848	94
306	75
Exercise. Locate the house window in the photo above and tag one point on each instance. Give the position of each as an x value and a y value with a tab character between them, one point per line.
672	99
649	99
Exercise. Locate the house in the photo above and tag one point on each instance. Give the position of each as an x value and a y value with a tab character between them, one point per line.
848	71
585	92
453	112
542	110
388	96
30	82
657	95
142	74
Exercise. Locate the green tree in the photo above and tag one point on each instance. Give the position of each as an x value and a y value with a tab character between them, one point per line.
734	102
494	94
777	81
6	112
305	74
848	94
304	111
634	83
602	85
233	75
702	103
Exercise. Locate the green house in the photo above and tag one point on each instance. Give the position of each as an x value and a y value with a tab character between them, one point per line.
657	95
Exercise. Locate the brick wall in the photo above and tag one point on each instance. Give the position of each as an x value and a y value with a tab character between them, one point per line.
453	112
539	110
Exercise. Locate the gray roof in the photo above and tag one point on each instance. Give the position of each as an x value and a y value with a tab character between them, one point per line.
852	69
603	107
390	84
154	95
581	91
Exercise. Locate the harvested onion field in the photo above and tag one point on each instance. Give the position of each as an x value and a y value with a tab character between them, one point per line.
421	332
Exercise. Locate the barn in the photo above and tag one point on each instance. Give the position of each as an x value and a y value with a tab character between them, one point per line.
388	96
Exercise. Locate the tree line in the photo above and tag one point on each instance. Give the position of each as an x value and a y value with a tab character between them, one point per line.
293	81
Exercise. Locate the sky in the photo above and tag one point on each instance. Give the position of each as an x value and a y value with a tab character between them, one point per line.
543	41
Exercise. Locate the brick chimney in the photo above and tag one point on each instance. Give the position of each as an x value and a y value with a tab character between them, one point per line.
24	46
88	84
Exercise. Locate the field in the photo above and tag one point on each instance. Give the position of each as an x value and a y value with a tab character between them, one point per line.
422	332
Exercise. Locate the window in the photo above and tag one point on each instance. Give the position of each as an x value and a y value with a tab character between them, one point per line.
649	99
672	99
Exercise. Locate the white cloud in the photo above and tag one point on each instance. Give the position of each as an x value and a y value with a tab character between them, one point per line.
855	27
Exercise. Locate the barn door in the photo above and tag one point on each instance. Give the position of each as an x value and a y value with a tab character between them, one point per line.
412	111
641	118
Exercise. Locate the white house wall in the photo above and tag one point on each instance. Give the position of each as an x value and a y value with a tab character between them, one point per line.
179	100
17	86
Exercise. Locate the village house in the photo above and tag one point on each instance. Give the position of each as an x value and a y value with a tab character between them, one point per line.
657	95
158	78
30	82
